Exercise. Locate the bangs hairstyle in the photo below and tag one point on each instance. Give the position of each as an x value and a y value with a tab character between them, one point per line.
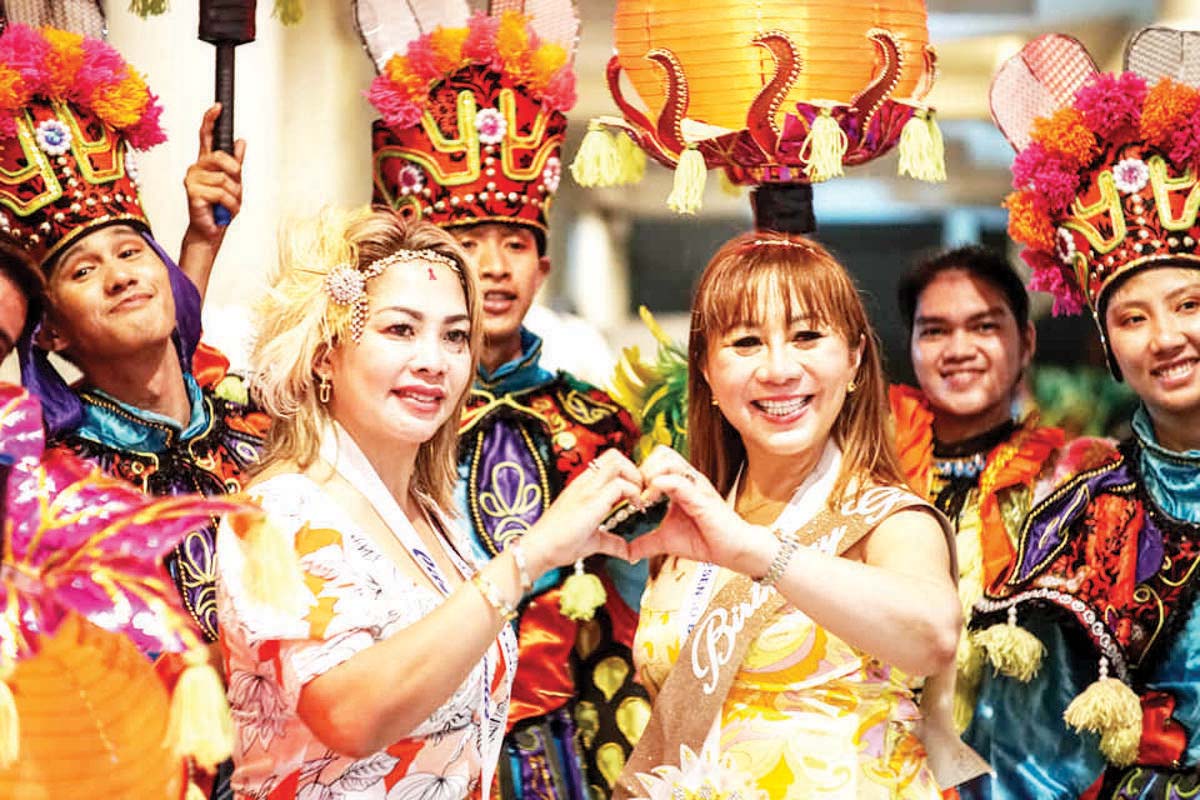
299	323
751	279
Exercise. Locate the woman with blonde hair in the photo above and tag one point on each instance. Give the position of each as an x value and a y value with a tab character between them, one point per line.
393	677
805	588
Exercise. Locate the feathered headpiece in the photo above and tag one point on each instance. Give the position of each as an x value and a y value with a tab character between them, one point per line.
472	107
1105	178
70	109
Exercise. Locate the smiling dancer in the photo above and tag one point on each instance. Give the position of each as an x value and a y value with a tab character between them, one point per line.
970	342
527	432
1094	630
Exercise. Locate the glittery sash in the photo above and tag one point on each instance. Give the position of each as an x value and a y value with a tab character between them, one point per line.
691	699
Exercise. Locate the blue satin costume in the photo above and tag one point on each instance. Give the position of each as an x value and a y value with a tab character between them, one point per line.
1019	727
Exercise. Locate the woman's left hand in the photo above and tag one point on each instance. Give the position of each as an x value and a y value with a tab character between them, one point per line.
699	524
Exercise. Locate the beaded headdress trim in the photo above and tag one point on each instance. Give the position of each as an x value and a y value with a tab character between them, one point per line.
347	286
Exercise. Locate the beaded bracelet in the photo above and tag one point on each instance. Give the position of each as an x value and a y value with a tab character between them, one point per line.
492	595
518	553
788	545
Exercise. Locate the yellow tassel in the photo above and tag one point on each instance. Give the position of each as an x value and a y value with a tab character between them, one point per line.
200	725
582	594
916	149
825	148
939	147
597	164
10	723
289	12
631	160
690	176
194	792
1110	708
968	661
1013	651
271	573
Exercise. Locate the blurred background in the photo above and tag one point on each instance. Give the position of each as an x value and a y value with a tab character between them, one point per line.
301	108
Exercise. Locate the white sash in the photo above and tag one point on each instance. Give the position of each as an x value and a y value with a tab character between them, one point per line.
346	458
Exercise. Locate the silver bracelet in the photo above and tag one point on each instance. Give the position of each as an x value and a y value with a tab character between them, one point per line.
518	554
788	545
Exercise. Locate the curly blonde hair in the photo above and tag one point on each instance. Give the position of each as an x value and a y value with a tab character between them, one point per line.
299	324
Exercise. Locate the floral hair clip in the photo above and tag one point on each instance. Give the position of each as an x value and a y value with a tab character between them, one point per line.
347	286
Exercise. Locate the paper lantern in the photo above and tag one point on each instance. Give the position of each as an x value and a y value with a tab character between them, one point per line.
725	71
93	714
775	92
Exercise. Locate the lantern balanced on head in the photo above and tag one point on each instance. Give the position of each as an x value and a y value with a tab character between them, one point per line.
778	94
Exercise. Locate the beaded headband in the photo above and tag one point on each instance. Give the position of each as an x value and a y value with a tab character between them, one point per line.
347	286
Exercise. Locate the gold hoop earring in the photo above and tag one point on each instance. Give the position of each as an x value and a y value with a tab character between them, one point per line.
324	389
851	387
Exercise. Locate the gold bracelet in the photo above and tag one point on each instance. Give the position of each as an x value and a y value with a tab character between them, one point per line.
492	595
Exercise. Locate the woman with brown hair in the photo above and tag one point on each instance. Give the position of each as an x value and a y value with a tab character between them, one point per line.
805	588
392	676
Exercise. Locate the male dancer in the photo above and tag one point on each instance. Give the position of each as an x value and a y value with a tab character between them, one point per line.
480	155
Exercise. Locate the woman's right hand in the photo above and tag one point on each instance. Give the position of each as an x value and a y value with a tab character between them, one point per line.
570	528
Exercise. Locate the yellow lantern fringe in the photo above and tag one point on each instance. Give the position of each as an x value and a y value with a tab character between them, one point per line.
631	160
690	176
1013	651
272	574
289	12
582	594
939	147
916	149
10	723
597	164
1110	708
200	725
825	147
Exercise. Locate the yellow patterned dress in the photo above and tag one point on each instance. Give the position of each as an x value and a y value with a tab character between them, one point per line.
808	715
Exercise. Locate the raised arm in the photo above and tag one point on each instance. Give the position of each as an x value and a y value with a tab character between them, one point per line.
214	179
382	693
891	595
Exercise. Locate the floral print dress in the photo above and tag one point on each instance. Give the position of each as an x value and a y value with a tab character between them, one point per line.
359	597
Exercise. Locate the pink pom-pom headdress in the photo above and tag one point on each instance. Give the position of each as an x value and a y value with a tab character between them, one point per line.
1107	164
70	109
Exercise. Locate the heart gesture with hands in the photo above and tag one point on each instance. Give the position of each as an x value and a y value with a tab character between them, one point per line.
570	528
699	524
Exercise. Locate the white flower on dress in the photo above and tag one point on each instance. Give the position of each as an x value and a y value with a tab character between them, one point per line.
427	786
552	174
1130	175
491	125
411	179
365	773
53	137
258	707
699	776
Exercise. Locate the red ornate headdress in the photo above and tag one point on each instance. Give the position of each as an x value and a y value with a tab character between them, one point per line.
1105	179
472	111
70	109
782	96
